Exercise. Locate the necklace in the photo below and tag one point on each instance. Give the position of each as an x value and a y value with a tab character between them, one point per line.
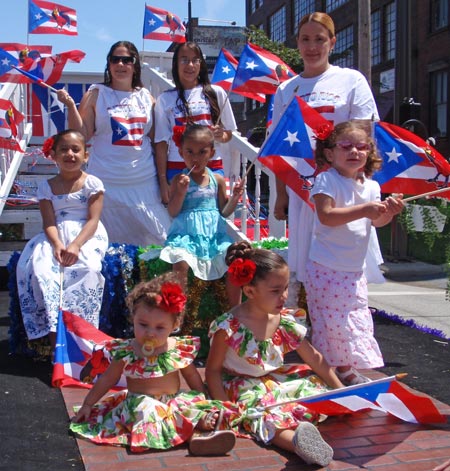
125	104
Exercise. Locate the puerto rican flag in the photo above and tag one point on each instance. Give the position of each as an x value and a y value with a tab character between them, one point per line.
225	71
79	357
162	25
127	131
386	395
10	118
259	71
410	165
51	18
288	151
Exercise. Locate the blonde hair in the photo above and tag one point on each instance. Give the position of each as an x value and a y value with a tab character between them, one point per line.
321	18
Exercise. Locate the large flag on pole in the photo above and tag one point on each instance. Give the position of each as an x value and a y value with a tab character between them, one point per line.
163	25
259	71
51	18
410	165
288	150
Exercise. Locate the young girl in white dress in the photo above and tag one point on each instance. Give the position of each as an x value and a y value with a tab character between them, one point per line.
348	204
71	247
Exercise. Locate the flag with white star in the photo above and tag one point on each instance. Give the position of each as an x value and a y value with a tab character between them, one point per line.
163	25
288	151
410	165
259	71
51	18
127	131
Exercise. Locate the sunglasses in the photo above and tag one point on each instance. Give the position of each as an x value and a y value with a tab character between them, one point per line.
347	145
126	60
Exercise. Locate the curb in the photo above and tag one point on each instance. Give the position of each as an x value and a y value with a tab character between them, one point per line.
412	270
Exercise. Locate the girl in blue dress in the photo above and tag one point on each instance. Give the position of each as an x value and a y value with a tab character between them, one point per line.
199	204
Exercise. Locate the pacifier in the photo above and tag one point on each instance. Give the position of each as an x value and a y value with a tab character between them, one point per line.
148	349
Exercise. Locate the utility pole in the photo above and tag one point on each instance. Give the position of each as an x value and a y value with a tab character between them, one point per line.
190	32
364	39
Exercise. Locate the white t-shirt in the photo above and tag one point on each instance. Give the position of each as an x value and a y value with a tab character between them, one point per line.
339	94
343	247
168	114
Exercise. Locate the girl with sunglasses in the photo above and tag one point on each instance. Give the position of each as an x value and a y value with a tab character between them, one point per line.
347	205
194	100
117	117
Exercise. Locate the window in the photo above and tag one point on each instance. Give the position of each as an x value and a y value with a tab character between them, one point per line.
302	8
439	14
389	31
254	5
344	47
333	4
375	20
277	25
439	103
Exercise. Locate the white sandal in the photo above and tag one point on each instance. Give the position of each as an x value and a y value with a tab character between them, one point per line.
310	446
358	378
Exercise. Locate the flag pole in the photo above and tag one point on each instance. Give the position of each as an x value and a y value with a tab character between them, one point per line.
430	193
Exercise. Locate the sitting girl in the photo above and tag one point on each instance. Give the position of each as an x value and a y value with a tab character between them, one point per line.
154	413
246	360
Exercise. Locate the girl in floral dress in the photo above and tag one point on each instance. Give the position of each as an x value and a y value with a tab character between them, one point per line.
246	360
154	412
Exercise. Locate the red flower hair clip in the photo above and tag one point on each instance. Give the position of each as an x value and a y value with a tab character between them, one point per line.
241	272
48	146
323	132
177	133
171	298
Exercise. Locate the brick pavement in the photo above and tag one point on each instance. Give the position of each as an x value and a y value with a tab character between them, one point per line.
371	441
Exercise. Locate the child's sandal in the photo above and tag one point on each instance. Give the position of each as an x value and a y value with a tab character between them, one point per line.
310	446
355	375
214	443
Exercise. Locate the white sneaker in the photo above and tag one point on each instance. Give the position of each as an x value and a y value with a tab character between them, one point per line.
310	446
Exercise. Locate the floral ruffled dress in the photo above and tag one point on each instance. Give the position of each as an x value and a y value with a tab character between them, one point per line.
256	377
141	421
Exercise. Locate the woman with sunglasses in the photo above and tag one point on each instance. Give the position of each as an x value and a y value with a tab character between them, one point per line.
117	116
339	94
194	100
348	203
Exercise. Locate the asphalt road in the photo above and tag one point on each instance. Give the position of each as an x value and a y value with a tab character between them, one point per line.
423	301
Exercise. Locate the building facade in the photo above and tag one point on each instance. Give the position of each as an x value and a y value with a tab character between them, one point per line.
409	44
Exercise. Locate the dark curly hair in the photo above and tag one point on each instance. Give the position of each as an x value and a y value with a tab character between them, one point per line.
132	50
203	80
265	260
147	292
373	162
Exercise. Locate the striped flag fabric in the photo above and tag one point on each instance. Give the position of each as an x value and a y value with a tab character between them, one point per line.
10	118
79	357
410	165
288	151
163	25
51	18
127	131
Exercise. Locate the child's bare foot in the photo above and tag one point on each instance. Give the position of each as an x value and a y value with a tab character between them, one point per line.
208	421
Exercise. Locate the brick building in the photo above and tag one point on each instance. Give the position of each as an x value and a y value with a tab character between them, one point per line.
409	53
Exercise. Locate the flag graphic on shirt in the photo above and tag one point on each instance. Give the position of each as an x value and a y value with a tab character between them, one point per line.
225	71
385	395
259	71
410	165
51	18
127	131
10	118
163	25
79	357
288	151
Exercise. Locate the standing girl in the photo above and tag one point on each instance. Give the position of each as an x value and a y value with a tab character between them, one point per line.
347	206
246	360
198	203
70	248
193	101
154	412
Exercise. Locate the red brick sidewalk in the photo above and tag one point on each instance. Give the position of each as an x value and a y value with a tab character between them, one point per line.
371	441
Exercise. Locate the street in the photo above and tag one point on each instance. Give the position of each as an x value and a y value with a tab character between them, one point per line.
423	301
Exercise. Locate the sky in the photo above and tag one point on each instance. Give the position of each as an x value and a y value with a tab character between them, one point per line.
103	22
